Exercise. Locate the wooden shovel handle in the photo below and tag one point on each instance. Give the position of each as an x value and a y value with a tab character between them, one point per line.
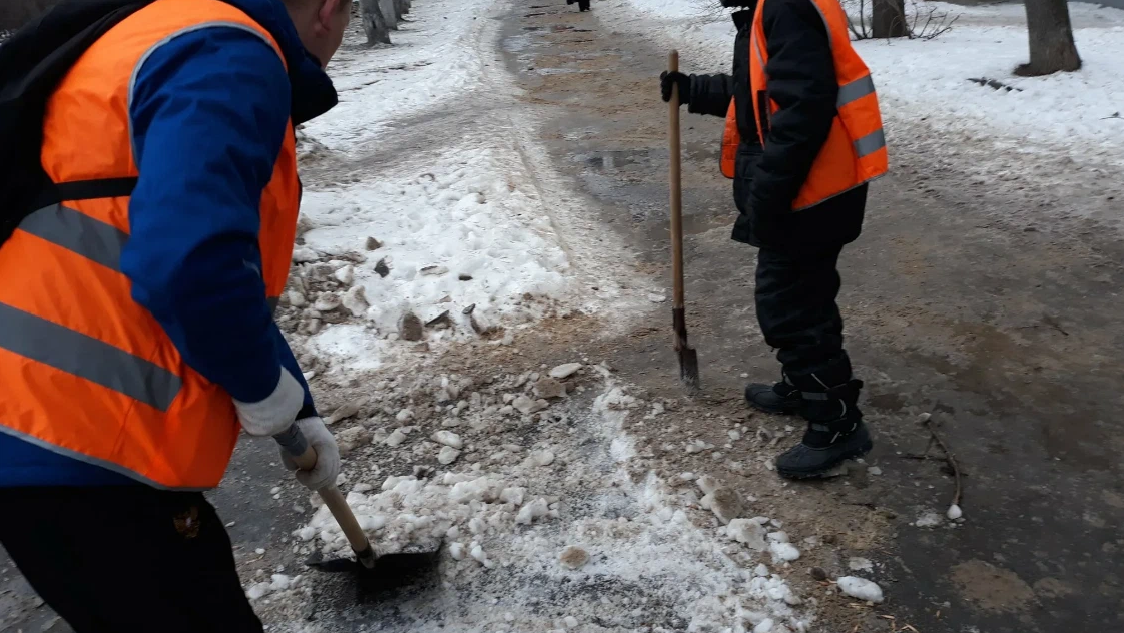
675	185
305	459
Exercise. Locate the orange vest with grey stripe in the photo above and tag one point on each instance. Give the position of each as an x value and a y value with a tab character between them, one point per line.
86	371
855	151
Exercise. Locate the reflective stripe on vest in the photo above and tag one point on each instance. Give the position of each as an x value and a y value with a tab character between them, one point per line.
95	240
64	349
855	150
87	371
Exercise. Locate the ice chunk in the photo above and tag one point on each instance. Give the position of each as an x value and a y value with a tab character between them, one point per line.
448	438
448	455
563	372
533	510
860	588
747	532
784	552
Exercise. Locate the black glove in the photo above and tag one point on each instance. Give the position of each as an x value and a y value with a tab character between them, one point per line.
669	79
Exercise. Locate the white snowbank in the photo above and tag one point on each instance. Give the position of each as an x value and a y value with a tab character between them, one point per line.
430	62
919	79
466	214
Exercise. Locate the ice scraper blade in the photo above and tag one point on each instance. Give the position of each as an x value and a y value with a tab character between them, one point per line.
688	358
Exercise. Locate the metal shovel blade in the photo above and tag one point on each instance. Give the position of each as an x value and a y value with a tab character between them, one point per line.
688	358
390	572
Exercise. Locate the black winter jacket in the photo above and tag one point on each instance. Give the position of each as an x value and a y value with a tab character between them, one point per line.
767	176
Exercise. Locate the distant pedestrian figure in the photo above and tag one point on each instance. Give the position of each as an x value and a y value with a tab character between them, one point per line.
583	5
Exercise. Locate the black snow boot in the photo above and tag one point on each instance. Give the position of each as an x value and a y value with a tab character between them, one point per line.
782	398
835	433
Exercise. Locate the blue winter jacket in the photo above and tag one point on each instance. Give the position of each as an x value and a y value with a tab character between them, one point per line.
209	112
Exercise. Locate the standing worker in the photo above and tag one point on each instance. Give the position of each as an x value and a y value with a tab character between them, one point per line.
136	335
803	138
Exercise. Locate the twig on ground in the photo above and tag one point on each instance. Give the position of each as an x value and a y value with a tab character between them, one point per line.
948	457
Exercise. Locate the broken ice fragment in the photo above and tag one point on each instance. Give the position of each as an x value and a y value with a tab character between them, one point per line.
860	588
563	372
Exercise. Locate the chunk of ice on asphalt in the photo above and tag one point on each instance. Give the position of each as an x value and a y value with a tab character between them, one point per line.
514	496
563	372
280	582
747	532
456	550
448	438
764	626
778	537
539	458
860	588
784	552
533	510
954	512
707	484
395	439
258	590
447	455
761	571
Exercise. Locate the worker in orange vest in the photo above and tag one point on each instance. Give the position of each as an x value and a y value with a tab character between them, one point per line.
803	138
148	235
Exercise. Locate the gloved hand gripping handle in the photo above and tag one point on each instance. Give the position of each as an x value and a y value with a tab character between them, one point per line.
296	445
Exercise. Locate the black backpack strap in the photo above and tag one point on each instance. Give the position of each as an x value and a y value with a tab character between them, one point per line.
32	62
85	190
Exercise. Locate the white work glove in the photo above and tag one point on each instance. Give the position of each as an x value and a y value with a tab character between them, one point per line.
277	412
327	455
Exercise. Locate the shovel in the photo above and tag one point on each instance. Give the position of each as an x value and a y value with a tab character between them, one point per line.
375	572
688	359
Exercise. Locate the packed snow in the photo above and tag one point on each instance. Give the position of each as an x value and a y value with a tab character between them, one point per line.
431	61
921	79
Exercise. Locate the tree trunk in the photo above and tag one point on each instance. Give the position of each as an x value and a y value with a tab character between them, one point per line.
1051	39
374	24
888	19
387	7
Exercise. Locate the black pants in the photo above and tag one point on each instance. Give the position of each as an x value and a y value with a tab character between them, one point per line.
126	559
796	308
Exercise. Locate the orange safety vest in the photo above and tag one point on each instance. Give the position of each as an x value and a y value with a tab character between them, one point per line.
855	151
86	371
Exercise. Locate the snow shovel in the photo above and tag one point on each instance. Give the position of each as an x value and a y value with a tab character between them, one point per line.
688	359
375	572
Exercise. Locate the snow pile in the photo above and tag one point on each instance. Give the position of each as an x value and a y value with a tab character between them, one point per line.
454	509
918	78
451	250
526	528
929	79
460	234
431	61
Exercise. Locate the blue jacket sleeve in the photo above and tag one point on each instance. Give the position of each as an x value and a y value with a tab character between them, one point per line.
209	110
